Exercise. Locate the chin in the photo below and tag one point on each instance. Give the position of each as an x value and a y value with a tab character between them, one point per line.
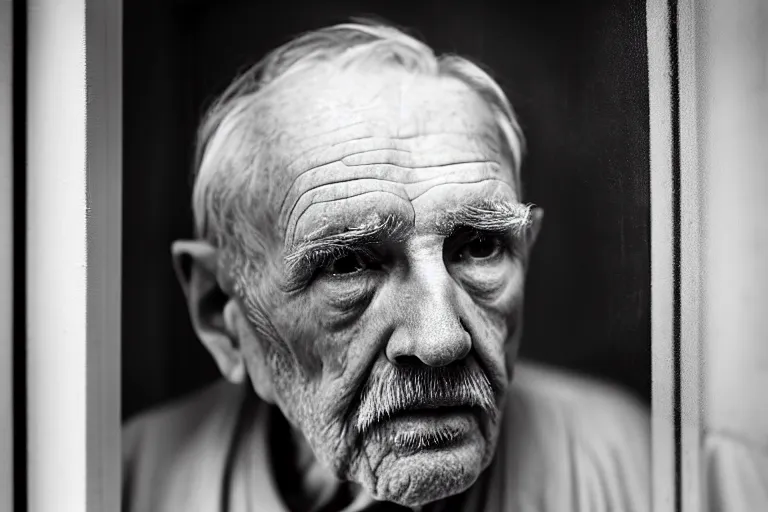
422	466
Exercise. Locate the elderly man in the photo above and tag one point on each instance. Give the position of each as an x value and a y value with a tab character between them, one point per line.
358	279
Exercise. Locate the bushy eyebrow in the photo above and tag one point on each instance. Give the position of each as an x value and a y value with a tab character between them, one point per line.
490	216
321	245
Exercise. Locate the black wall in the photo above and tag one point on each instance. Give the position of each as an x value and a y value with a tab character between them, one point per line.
575	71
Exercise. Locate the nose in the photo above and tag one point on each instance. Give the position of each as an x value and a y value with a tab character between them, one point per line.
430	330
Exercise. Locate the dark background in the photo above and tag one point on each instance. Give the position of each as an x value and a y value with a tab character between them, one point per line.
577	74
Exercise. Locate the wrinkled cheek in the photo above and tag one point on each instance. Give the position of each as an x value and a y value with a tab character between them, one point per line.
288	336
317	342
513	329
334	349
506	311
263	307
498	328
296	332
492	333
512	325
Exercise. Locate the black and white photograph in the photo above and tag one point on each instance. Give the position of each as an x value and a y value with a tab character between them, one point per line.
358	256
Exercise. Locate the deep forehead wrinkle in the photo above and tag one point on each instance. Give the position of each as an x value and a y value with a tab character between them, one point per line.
430	150
330	149
401	182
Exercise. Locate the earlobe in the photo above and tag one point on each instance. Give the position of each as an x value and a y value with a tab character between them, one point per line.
233	367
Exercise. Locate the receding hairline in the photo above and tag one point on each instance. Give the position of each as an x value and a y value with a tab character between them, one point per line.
301	112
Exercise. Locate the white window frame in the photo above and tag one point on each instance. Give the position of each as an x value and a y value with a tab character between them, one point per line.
74	209
676	367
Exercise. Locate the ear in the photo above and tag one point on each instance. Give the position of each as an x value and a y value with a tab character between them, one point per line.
537	217
211	309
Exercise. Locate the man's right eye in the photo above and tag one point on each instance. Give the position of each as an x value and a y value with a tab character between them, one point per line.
348	264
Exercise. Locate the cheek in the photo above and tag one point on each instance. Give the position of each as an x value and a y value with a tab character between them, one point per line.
340	303
282	328
336	323
320	330
497	290
299	331
495	299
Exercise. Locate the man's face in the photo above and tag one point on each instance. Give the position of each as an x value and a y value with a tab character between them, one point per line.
394	294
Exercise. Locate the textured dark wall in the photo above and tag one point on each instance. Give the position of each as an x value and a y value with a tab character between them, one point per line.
577	75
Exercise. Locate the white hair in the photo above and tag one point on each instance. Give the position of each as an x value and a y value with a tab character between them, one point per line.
232	145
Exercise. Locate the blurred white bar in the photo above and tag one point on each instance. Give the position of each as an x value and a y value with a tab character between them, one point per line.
104	58
733	101
56	256
663	461
6	255
691	428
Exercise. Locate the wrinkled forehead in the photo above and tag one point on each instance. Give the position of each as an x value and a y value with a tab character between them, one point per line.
387	128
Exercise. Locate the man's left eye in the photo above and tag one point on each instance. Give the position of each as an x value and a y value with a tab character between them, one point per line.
482	248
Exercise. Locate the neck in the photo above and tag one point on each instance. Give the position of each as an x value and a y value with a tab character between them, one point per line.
304	483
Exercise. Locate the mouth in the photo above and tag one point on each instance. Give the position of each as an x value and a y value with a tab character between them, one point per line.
431	428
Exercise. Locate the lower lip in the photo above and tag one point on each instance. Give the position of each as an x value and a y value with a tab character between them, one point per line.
431	428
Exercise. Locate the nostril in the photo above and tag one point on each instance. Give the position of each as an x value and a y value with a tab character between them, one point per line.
408	361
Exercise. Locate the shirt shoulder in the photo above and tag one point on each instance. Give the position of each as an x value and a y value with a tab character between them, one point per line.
737	471
585	402
572	443
174	455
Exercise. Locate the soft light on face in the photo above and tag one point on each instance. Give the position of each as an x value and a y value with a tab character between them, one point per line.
393	308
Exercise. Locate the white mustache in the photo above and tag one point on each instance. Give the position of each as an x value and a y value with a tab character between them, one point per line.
396	389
